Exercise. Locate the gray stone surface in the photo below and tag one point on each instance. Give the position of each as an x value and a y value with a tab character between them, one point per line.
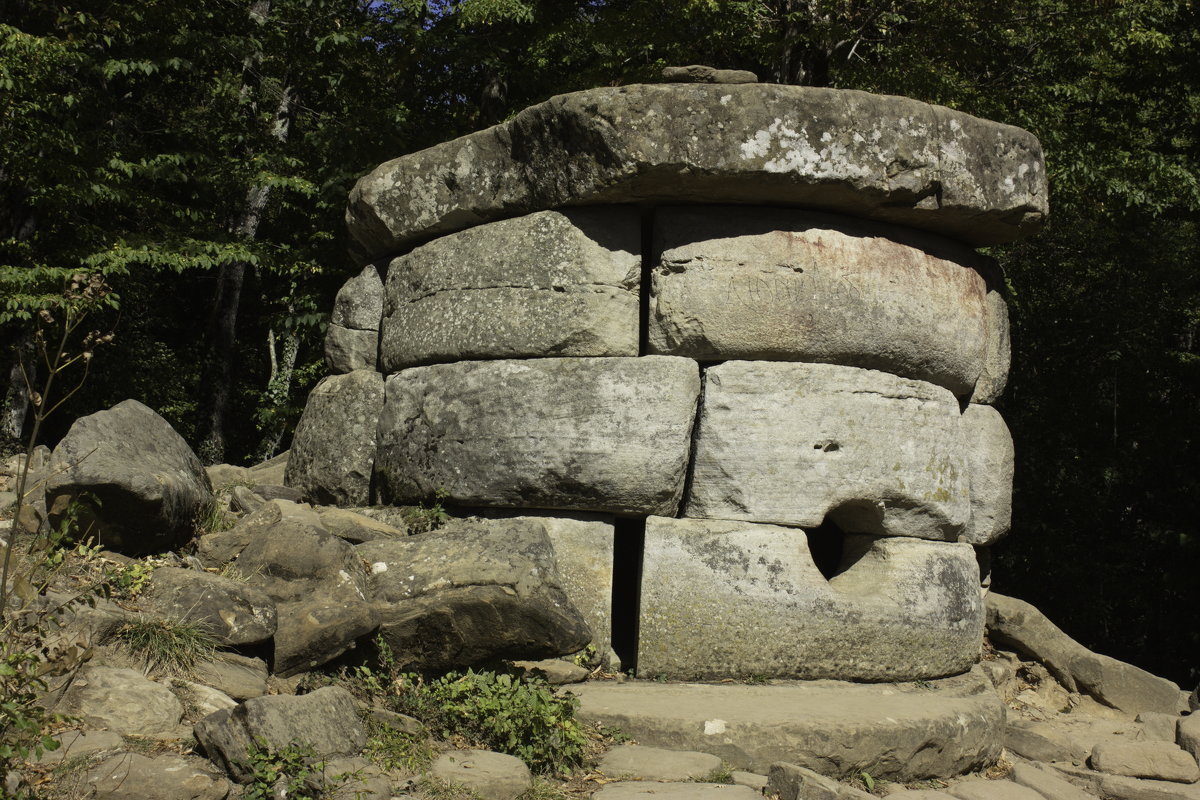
1120	787
1188	734
1156	725
233	612
790	285
123	701
588	434
475	590
359	303
634	790
791	443
698	73
988	447
1162	761
150	486
124	776
73	744
316	630
733	599
1043	742
326	719
899	732
218	549
998	354
200	700
793	782
1046	782
292	561
354	527
555	671
886	158
552	283
493	776
333	451
240	677
1018	626
657	764
347	349
984	789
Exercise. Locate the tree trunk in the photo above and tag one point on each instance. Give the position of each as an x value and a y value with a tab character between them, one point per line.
279	389
15	410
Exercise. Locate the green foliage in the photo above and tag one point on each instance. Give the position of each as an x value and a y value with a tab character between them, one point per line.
395	749
295	766
129	581
22	722
427	516
521	716
168	646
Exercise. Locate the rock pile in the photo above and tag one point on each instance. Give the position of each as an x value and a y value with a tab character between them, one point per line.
743	321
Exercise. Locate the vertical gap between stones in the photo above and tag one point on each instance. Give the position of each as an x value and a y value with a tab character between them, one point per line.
690	472
629	543
648	259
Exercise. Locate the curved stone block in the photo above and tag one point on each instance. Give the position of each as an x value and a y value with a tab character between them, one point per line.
589	434
348	349
989	451
788	285
547	284
998	355
333	450
881	157
790	443
730	599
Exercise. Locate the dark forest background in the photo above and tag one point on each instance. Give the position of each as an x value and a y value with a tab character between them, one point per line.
198	155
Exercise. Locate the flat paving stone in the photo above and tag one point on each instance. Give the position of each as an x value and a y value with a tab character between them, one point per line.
629	790
899	732
657	764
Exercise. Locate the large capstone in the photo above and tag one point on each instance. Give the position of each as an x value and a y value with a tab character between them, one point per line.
728	599
129	480
788	285
589	434
476	590
886	158
794	443
547	284
333	451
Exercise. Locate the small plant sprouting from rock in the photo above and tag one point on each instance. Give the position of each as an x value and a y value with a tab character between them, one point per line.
518	715
168	646
294	769
427	517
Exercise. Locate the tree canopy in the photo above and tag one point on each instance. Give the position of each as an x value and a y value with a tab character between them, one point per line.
199	154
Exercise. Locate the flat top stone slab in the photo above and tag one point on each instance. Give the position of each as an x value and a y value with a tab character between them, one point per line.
875	156
901	732
657	764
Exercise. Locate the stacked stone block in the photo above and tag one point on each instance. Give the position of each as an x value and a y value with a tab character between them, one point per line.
741	313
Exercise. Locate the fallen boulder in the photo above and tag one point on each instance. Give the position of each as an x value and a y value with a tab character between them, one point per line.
234	613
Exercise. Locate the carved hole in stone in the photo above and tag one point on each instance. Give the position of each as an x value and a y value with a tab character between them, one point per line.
629	541
826	544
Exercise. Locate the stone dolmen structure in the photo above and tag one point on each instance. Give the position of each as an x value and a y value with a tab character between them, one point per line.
730	348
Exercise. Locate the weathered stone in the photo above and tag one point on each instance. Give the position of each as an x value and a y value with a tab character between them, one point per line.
359	303
218	549
657	764
1120	787
635	790
898	732
698	73
325	720
888	158
356	528
240	677
1188	734
478	589
166	777
984	789
733	599
752	779
1046	782
333	450
988	447
122	700
920	794
291	561
399	722
791	285
555	671
271	470
149	485
1039	742
492	776
234	613
589	434
793	782
73	744
1162	761
553	283
244	499
794	443
199	700
1156	725
998	353
1016	625
348	350
316	630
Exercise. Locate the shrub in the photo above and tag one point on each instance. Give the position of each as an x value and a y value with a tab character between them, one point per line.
168	645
